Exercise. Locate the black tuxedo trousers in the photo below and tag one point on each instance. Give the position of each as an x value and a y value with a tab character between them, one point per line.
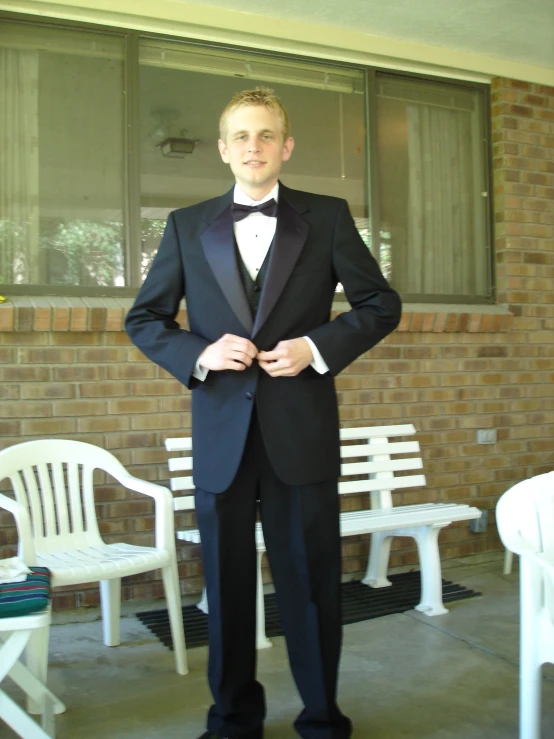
301	532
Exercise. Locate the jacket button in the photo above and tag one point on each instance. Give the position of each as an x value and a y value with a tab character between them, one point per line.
256	288
249	396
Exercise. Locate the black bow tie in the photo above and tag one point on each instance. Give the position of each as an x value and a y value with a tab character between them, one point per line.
239	211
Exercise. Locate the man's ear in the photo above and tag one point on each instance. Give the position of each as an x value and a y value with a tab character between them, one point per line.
288	146
222	146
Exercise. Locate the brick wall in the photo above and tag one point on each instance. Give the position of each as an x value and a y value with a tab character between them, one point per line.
68	370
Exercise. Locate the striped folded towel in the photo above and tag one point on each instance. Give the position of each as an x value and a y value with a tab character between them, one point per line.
13	570
28	596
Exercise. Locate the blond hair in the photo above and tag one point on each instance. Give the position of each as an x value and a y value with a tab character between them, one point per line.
259	96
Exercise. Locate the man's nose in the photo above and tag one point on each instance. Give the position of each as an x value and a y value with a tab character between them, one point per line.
254	145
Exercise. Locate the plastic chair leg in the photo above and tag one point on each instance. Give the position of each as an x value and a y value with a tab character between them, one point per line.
508	562
36	659
38	694
530	650
530	702
110	601
173	599
16	718
30	684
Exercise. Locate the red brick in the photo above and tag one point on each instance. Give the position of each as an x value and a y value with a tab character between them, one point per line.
48	427
105	389
60	319
76	373
7	317
114	319
79	408
42	319
49	390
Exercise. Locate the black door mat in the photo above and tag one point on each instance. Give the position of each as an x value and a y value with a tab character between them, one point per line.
359	603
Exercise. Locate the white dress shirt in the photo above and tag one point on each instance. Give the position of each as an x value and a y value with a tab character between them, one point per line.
254	235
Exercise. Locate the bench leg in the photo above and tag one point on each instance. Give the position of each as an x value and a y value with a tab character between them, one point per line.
378	564
427	539
202	604
262	642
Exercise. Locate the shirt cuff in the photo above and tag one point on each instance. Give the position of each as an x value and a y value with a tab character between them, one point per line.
319	363
200	372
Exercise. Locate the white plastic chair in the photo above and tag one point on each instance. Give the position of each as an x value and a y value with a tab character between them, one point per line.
525	519
15	633
53	480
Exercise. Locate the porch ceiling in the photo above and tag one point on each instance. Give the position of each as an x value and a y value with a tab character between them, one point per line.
508	29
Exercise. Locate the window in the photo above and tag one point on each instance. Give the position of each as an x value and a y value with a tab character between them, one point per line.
102	134
432	182
61	147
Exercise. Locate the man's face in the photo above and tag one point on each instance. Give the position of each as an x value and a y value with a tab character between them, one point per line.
254	148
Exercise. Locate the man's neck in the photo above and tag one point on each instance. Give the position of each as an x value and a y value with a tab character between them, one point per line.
256	194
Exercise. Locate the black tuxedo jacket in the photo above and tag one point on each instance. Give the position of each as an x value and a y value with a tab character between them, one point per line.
316	245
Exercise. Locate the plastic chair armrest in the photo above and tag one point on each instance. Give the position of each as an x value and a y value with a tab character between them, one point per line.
26	546
541	560
163	500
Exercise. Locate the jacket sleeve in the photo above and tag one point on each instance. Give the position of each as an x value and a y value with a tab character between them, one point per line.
375	307
151	323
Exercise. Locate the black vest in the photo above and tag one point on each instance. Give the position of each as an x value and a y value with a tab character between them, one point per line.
253	288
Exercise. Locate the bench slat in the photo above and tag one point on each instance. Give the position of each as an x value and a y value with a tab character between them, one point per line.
372	432
390	483
179	464
364	522
370	450
179	444
181	483
400	517
193	536
385	465
183	503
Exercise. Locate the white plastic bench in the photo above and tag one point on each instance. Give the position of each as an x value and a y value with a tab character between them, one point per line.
374	461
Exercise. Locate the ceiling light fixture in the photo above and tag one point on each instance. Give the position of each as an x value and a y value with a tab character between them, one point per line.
177	147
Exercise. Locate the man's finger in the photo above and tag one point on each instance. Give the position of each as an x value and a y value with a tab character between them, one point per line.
271	356
245	346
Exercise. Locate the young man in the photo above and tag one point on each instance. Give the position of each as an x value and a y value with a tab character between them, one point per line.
259	266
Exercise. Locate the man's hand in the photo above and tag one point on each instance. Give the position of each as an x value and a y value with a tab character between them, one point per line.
287	359
228	353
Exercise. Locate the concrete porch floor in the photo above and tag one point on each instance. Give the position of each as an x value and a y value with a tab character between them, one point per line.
403	676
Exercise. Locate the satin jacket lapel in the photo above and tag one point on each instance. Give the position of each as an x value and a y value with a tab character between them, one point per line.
290	237
218	243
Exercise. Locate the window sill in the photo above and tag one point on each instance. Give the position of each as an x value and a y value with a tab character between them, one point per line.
22	314
441	318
